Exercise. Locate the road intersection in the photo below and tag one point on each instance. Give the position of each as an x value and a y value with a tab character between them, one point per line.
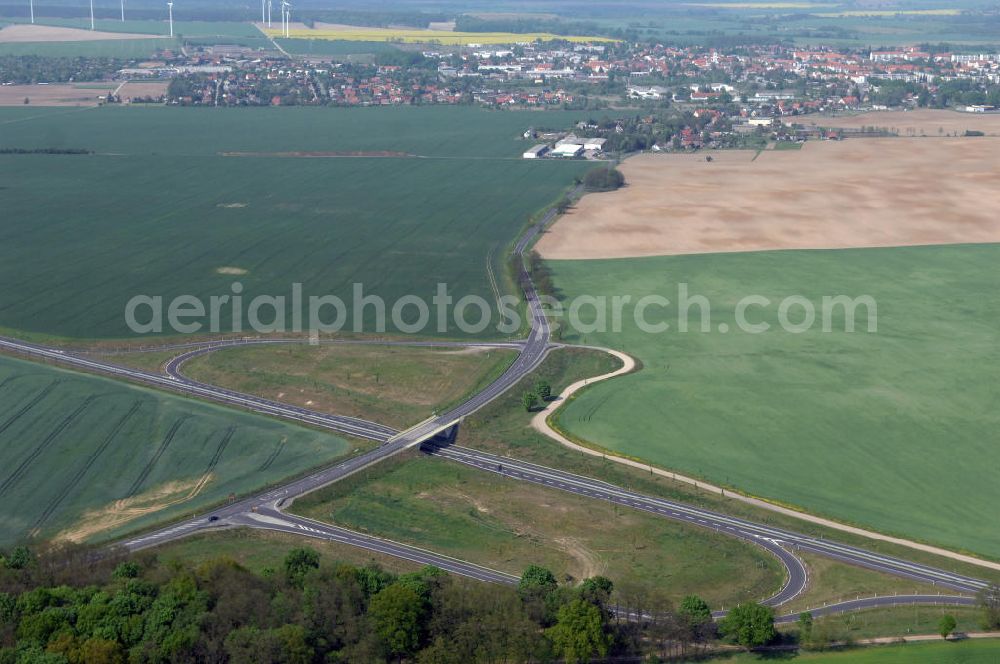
265	510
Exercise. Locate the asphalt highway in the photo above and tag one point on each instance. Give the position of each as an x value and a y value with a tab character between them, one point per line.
176	383
782	543
264	510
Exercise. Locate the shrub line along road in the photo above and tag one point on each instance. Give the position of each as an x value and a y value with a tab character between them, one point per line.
263	511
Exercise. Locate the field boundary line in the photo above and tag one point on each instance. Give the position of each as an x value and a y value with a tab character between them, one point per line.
542	422
271	39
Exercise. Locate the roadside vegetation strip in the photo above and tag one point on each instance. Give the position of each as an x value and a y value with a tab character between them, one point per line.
482	517
393	383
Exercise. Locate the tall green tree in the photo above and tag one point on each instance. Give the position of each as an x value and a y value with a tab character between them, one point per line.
579	633
695	610
597	591
543	390
750	625
397	615
298	562
947	625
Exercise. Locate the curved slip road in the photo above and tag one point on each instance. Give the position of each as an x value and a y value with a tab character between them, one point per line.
263	510
771	538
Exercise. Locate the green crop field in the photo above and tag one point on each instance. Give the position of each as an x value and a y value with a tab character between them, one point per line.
962	652
161	210
149	27
88	458
894	430
111	48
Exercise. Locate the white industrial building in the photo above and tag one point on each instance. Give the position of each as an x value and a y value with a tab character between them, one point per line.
536	152
568	150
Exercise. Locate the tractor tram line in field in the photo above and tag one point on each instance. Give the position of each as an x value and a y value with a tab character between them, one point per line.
85	468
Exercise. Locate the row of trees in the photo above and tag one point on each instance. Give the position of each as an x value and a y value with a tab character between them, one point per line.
70	605
30	69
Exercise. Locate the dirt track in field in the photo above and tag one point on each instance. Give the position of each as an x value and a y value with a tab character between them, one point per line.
46	33
854	193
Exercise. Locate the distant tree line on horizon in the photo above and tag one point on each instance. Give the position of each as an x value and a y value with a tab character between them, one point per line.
45	151
31	69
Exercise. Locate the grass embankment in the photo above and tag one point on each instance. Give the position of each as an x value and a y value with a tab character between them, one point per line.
393	385
88	458
258	550
898	621
508	525
891	430
831	582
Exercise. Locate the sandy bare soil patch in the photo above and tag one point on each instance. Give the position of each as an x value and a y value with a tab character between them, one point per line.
125	510
48	33
929	122
237	271
854	193
57	94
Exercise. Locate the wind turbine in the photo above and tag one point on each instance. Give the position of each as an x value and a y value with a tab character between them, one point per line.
286	16
170	11
263	3
123	11
31	5
268	13
91	14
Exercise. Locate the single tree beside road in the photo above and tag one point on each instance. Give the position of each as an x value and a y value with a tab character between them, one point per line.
695	610
947	626
529	400
750	625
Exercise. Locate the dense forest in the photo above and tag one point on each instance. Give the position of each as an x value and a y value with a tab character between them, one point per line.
72	605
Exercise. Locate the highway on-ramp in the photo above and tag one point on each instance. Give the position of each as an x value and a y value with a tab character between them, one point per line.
264	510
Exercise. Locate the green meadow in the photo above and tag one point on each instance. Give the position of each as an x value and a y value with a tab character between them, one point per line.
188	201
894	430
109	48
962	652
90	458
